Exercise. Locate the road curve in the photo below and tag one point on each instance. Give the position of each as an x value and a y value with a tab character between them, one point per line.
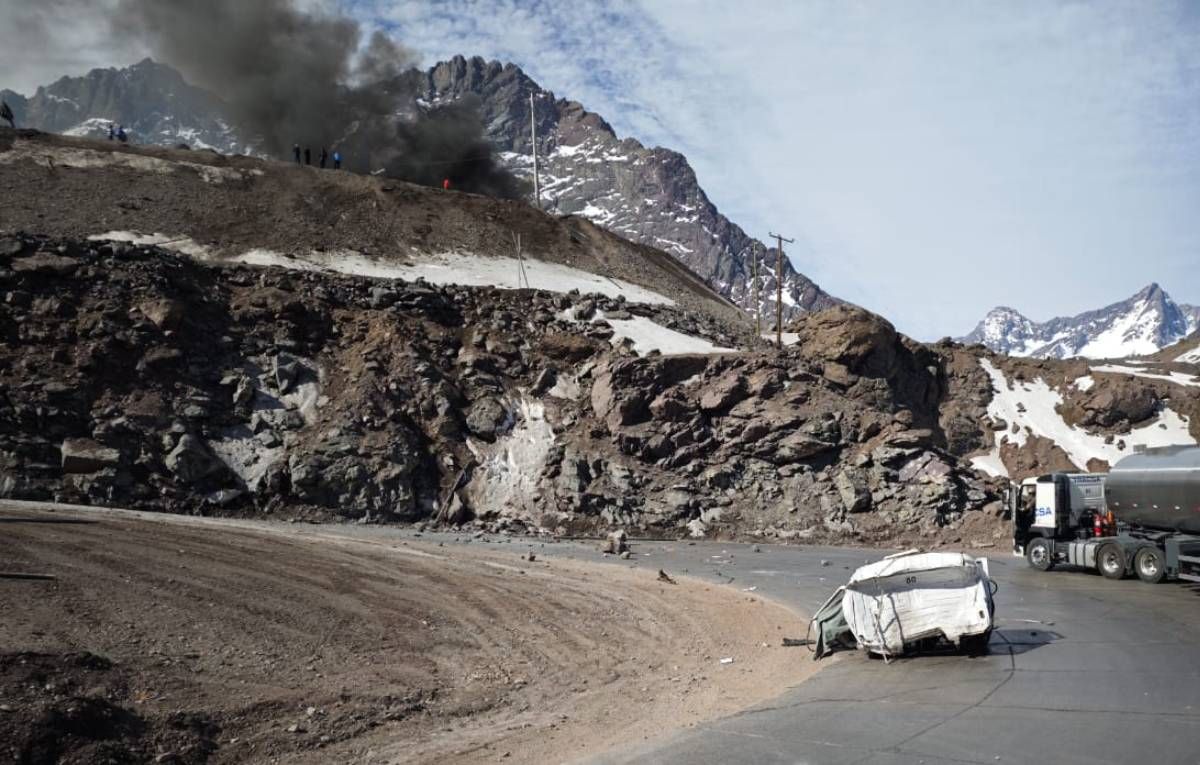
1080	670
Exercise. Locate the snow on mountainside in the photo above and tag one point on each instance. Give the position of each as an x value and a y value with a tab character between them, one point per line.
1139	326
647	195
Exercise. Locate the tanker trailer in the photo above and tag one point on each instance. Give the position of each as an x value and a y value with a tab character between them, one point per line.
1148	522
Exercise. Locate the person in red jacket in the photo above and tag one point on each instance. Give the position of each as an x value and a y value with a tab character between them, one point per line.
446	184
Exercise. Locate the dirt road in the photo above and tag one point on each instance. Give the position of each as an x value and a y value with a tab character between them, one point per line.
167	639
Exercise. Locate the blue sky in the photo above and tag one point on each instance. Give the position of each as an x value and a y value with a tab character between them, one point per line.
932	159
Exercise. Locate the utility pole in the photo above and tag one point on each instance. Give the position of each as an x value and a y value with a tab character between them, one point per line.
757	301
537	194
779	290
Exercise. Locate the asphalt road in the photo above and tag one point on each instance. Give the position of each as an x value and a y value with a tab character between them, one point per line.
1080	670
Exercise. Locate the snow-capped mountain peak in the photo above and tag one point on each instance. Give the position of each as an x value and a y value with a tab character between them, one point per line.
1143	324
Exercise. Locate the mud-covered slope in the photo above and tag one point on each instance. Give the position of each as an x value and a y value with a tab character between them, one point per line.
224	207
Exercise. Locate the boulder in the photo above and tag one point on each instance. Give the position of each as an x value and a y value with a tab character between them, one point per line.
83	455
927	466
671	407
851	485
615	543
382	297
45	263
190	460
723	393
487	418
165	314
286	369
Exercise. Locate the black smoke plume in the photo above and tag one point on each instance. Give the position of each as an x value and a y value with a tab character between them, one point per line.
292	77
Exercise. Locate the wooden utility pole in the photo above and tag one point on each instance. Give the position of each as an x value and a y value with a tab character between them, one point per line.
757	300
537	194
779	290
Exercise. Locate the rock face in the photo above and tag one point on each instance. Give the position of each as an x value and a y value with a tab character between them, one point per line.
647	195
152	101
142	378
1145	323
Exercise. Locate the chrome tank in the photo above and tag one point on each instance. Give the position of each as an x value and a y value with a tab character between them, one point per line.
1157	489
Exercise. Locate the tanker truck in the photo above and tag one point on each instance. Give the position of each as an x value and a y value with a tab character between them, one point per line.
1142	517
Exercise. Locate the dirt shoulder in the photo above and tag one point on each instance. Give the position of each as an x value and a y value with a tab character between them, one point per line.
185	640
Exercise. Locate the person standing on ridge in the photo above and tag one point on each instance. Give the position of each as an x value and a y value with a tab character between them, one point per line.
324	156
337	160
296	152
445	184
307	156
122	136
112	132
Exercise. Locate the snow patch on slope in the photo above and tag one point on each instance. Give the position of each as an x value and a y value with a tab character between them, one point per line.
1190	357
184	245
1179	378
647	336
463	269
1041	418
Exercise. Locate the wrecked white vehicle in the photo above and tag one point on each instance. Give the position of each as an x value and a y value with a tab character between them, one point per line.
908	600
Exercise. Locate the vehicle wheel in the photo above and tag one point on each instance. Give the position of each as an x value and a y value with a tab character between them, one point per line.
1110	559
975	645
1040	553
1150	565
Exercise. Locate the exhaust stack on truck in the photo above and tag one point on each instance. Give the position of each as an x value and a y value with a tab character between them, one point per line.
1143	517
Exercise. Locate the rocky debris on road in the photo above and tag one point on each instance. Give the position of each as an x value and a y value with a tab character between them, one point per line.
141	378
615	543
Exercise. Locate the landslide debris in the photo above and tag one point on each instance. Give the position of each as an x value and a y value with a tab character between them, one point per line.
137	377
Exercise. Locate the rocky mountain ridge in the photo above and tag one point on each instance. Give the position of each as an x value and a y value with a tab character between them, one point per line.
647	195
152	101
1138	326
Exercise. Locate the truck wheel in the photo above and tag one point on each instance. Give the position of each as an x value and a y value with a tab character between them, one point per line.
1110	559
1149	565
1039	553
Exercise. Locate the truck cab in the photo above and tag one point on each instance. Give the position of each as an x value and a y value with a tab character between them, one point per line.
1143	517
1056	506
